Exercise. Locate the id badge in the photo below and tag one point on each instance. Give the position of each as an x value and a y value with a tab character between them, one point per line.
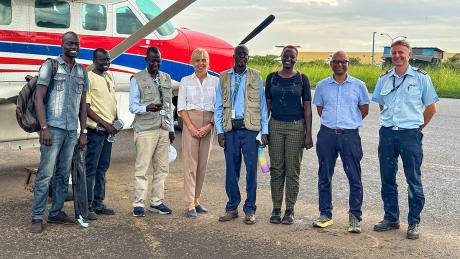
233	114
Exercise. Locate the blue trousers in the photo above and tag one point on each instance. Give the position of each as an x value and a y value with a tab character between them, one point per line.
329	144
97	163
237	143
408	145
54	160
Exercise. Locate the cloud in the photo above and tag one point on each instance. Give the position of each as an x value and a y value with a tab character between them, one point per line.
319	2
326	25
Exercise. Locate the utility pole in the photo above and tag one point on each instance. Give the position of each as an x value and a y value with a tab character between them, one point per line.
373	46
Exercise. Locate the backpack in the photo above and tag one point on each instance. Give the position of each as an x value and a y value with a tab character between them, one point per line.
25	107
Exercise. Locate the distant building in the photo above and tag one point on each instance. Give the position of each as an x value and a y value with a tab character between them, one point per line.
421	56
365	57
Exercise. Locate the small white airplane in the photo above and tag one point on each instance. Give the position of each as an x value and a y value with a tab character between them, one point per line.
31	31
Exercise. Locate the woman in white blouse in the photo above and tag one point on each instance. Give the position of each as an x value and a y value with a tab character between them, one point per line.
197	95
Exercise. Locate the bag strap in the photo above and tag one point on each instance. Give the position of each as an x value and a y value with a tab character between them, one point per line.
54	66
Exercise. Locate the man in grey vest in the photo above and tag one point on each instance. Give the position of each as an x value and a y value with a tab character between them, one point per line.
240	114
150	99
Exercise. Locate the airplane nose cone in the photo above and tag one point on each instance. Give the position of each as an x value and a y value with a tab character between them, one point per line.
220	51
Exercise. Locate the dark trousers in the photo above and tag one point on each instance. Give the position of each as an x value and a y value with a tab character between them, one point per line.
408	145
329	144
97	163
237	143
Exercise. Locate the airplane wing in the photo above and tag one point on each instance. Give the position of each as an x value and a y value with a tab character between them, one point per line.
148	28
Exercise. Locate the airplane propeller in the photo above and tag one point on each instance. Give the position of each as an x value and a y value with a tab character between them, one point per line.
148	28
259	28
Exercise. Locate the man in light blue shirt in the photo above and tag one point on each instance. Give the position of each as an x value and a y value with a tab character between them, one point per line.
240	114
407	101
342	102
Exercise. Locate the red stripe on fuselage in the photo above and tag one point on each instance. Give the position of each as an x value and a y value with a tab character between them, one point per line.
30	61
177	49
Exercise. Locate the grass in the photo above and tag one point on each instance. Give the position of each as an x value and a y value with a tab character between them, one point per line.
445	79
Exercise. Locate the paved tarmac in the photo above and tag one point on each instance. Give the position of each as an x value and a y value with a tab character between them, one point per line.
175	236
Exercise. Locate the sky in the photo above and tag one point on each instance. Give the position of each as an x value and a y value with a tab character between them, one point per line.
326	25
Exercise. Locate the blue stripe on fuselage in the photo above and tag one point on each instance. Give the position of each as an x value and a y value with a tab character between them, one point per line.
177	70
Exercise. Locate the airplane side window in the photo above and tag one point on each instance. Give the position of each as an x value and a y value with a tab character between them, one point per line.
127	22
94	17
52	14
5	12
151	10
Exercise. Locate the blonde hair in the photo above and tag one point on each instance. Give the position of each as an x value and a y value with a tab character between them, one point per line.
198	53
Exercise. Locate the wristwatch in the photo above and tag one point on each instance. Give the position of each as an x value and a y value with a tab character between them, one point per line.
84	131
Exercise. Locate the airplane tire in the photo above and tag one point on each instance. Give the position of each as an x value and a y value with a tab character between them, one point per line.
69	196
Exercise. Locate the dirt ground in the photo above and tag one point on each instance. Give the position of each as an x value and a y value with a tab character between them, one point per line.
175	236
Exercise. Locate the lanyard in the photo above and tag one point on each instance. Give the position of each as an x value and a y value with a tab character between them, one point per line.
236	87
157	82
394	83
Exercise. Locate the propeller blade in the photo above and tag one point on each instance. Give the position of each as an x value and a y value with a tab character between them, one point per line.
259	28
148	28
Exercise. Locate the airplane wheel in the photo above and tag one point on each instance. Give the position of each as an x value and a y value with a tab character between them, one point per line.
69	196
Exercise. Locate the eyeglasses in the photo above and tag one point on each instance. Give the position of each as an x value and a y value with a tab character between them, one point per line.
336	62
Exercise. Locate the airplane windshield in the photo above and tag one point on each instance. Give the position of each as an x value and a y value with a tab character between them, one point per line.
151	10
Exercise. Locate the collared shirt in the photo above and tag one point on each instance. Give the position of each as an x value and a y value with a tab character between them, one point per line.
194	95
135	106
238	102
403	106
341	102
101	98
62	103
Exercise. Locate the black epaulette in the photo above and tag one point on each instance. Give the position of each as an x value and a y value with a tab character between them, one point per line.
420	70
384	73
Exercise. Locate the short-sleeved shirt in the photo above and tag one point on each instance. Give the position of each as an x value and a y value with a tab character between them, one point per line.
194	95
341	102
404	97
62	103
101	97
287	95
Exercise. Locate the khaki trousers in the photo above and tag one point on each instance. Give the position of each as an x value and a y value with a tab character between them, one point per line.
151	146
195	152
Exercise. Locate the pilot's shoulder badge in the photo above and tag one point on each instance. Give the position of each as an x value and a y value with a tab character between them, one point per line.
384	73
420	70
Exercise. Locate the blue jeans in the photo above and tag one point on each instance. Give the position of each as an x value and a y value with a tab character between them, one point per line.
329	144
408	145
55	159
237	143
97	163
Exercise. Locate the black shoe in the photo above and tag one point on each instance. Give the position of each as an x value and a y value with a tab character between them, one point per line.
104	211
386	225
91	215
61	218
276	216
413	231
37	226
288	218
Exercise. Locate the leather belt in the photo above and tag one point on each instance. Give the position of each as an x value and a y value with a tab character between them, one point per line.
395	128
338	130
